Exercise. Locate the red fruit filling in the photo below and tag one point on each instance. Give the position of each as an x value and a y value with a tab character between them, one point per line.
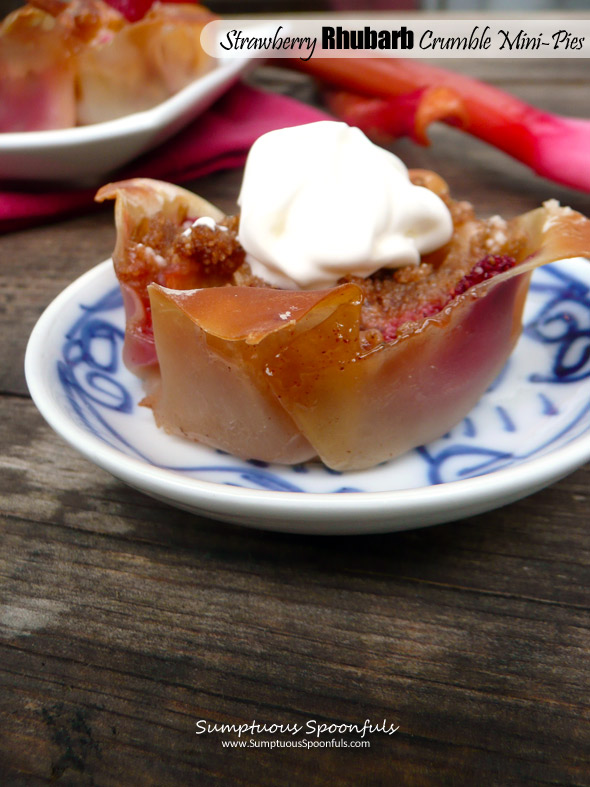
132	10
487	268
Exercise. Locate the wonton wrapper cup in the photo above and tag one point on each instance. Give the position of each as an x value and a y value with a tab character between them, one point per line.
280	375
138	201
77	62
143	63
37	88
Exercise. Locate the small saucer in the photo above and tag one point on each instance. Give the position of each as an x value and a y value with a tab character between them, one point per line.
530	428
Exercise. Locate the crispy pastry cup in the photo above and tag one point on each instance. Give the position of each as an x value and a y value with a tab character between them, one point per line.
143	63
281	376
75	62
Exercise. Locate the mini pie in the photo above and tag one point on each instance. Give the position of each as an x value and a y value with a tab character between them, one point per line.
353	375
64	64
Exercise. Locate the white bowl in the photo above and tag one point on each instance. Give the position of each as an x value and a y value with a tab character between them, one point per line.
88	153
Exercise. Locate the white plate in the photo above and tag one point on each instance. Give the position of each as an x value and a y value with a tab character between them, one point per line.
531	428
86	153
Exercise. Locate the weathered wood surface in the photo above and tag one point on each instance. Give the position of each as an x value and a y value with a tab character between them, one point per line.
123	621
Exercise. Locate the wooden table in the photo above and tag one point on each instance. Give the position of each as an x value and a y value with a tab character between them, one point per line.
124	622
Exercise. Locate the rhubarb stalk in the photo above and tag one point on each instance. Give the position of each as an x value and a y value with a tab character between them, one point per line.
407	115
553	146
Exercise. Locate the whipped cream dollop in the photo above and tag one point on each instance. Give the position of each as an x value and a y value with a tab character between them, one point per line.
321	201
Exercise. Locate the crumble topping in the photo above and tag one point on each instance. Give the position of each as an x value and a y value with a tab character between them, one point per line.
202	253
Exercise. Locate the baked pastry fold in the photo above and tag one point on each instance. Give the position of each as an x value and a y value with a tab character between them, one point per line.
286	376
75	62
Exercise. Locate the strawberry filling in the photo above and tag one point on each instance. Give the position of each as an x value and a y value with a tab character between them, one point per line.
485	269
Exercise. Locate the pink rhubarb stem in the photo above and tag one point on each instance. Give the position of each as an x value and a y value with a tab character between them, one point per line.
555	147
397	116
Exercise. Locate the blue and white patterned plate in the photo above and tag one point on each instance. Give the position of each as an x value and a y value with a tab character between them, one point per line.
530	428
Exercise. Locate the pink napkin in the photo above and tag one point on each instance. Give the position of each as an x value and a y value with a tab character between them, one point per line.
218	139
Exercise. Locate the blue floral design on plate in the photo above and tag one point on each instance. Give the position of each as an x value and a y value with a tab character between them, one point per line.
538	403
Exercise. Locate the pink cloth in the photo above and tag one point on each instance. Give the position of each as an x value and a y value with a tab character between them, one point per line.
218	139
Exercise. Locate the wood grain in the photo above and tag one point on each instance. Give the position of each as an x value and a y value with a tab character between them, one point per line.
124	621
